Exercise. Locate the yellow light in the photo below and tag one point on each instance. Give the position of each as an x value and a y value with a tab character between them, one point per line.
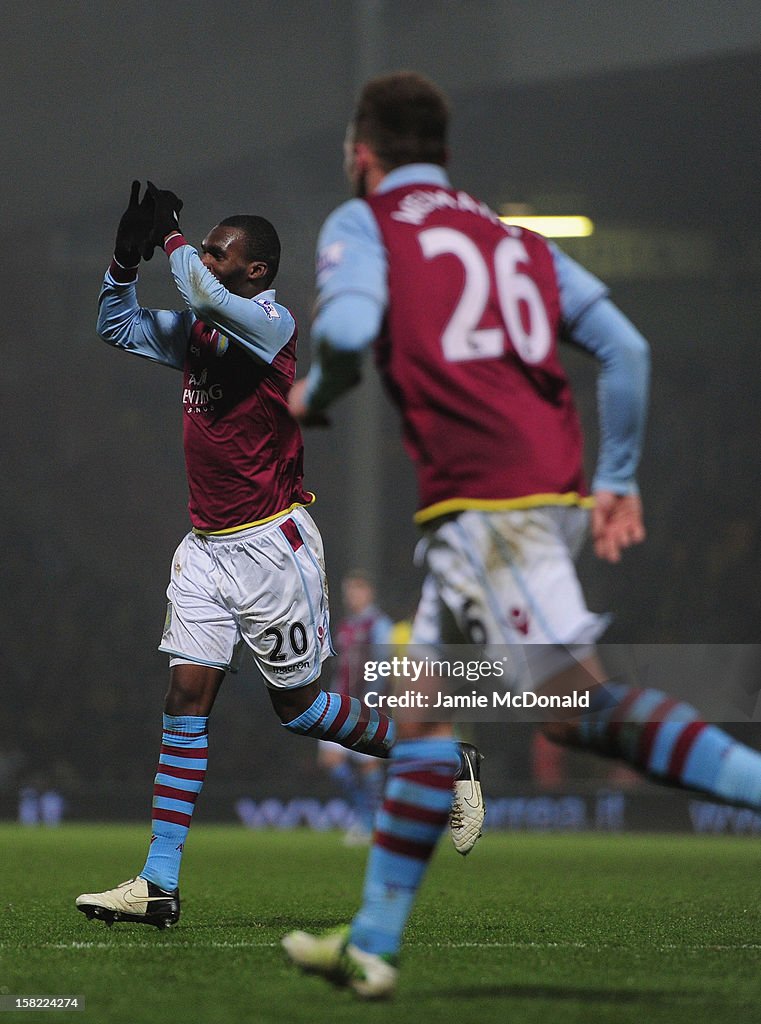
553	227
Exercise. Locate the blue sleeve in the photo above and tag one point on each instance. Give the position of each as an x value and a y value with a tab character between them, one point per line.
157	334
590	319
351	258
352	294
622	392
578	288
260	325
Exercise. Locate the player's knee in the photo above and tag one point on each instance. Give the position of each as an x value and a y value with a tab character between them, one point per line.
183	700
192	690
290	705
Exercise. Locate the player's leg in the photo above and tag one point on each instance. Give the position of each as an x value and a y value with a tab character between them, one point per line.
412	817
153	896
309	710
658	735
662	737
416	804
181	768
201	637
281	605
436	625
413	814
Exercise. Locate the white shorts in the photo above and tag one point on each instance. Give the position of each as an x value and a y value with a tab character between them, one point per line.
508	580
265	588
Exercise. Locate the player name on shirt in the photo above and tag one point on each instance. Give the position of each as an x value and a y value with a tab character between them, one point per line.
416	206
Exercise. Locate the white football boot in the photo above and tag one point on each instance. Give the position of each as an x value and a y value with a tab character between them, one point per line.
136	900
468	808
331	955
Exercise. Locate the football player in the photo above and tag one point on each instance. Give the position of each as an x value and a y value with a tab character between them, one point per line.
466	314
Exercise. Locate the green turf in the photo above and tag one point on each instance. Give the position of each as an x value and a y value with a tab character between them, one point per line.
547	929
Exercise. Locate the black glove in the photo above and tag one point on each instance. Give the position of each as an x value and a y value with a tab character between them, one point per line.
134	227
166	209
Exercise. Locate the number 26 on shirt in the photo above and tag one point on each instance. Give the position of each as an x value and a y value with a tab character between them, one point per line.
462	338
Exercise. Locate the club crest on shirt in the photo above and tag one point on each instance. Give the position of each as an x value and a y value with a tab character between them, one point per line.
269	309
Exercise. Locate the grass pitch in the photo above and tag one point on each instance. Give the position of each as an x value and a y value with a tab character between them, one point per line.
552	928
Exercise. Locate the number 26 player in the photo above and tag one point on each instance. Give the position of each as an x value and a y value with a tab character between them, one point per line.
465	314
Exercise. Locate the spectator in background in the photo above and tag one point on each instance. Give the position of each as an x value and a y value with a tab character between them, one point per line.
360	634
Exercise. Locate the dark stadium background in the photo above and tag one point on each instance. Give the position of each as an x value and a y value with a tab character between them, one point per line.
642	116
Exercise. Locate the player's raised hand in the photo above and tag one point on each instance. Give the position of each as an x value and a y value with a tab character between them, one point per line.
617	523
166	217
134	227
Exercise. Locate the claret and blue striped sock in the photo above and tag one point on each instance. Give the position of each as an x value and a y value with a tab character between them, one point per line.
414	813
345	720
179	780
667	739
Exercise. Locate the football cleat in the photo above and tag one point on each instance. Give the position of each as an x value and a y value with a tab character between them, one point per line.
468	808
136	900
332	956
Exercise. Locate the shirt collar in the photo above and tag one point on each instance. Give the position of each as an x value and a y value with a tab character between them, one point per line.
414	174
